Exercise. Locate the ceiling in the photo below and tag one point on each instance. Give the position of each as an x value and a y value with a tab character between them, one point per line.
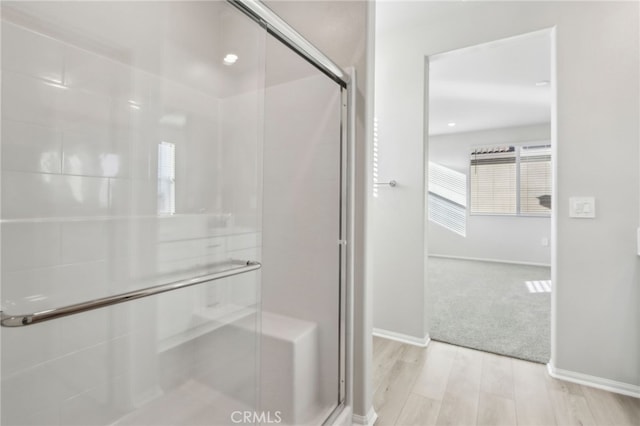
187	41
487	86
182	41
492	85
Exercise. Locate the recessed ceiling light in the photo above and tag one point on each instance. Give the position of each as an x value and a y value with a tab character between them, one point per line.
542	83
230	59
451	124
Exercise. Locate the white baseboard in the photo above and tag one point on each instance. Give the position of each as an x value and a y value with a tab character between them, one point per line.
403	338
479	259
367	420
345	418
593	381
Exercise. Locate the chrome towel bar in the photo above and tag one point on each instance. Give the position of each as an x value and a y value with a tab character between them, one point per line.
8	320
391	183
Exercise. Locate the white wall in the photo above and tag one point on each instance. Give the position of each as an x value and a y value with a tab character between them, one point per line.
453	150
495	238
397	214
596	308
499	238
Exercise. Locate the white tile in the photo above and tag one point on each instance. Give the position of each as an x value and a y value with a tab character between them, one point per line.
99	406
31	100
84	241
25	347
38	101
143	153
98	74
86	330
31	148
30	245
82	196
177	309
84	111
39	388
32	195
102	153
48	417
185	268
172	228
179	97
45	58
60	285
32	290
135	197
168	251
244	288
94	366
243	241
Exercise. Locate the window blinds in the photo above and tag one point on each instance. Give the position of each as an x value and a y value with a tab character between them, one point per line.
493	180
535	179
511	180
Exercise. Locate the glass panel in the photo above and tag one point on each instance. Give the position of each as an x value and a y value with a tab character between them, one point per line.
131	156
300	294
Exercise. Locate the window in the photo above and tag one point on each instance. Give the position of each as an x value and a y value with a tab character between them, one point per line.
535	179
511	180
166	178
448	198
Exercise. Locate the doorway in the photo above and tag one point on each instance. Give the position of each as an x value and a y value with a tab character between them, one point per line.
489	196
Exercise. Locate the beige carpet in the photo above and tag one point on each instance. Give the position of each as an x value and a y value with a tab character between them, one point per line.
494	307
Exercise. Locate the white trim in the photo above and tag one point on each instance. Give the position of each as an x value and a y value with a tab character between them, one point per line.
479	259
593	381
554	189
351	238
403	338
367	420
345	418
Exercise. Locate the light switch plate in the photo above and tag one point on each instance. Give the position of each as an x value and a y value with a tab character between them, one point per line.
582	207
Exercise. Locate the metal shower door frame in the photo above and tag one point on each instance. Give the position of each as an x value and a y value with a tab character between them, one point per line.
278	28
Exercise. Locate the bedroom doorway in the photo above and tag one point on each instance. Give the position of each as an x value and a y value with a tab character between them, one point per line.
490	196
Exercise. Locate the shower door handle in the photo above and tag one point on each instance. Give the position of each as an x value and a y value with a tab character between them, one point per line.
8	320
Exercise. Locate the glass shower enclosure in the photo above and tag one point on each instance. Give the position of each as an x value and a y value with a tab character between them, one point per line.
173	217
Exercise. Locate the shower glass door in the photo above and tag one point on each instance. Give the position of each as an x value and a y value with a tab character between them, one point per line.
130	157
302	216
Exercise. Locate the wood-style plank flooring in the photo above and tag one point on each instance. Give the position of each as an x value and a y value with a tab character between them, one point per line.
451	385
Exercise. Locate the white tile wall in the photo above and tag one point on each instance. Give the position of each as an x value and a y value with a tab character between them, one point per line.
79	220
31	148
46	58
96	154
39	289
30	245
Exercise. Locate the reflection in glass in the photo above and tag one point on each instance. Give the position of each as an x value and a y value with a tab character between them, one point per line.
166	178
